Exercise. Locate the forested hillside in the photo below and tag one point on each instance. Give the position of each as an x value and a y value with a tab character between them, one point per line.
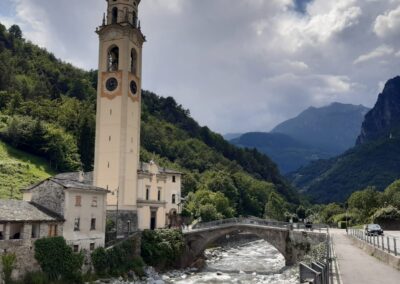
47	108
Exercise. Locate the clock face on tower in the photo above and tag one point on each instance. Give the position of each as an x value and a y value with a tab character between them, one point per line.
111	84
133	87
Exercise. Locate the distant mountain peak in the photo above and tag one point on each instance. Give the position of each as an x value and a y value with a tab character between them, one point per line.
333	128
384	119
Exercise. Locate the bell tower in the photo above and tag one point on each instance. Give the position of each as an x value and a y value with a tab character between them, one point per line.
117	146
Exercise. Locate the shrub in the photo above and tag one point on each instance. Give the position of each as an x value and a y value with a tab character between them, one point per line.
389	213
118	260
35	278
100	262
162	248
8	260
57	259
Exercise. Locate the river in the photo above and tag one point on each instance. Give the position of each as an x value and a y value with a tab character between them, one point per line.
252	262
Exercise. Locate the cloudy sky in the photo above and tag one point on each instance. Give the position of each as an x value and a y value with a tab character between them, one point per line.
238	65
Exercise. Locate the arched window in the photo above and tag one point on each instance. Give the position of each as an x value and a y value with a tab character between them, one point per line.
133	61
134	19
114	15
113	59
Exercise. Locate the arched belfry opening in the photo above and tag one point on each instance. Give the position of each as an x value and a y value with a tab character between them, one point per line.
134	61
134	19
113	59
114	15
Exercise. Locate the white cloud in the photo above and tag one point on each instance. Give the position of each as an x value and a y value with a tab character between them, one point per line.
238	65
379	52
388	24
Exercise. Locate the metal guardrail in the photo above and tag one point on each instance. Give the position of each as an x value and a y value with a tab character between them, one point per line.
257	221
318	272
385	243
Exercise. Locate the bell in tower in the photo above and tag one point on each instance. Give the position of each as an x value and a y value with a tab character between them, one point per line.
118	117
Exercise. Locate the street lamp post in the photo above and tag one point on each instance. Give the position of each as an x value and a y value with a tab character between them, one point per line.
116	216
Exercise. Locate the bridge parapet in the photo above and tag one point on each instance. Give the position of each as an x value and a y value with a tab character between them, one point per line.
254	221
293	243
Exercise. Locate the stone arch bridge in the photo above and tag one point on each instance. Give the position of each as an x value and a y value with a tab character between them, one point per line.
292	243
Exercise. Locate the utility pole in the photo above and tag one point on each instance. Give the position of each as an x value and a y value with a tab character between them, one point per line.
116	216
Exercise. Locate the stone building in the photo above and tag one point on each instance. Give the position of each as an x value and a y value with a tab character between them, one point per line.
80	204
21	223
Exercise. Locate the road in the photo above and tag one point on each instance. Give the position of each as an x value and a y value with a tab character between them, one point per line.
358	267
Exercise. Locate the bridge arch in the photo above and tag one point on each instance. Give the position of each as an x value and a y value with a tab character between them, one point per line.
199	242
293	245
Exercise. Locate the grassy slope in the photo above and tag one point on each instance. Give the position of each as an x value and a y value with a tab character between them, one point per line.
19	169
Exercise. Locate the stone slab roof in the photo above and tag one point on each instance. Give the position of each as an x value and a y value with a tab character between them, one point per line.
75	180
23	211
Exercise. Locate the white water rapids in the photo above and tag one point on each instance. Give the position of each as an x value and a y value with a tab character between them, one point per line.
254	262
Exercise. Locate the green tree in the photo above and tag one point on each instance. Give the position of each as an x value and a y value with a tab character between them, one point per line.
366	201
301	212
8	261
275	207
57	259
15	31
328	211
391	195
208	213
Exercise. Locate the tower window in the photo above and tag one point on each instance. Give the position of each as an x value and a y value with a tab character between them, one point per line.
147	193
114	15
173	198
113	59
133	61
134	19
173	179
159	195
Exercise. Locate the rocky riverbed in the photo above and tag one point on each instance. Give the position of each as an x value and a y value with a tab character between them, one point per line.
252	262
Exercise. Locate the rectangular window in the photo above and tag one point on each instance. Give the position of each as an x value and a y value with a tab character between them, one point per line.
35	231
147	193
78	200
91	246
52	230
173	198
94	201
159	195
76	248
93	224
173	179
77	224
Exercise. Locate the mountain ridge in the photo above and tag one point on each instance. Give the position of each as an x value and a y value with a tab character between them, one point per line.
301	132
374	162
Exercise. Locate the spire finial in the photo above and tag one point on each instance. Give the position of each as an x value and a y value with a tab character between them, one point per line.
104	19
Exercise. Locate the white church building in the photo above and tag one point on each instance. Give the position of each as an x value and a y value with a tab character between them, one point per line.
139	195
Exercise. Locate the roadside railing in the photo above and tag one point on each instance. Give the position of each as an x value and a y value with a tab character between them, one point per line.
386	243
257	221
319	270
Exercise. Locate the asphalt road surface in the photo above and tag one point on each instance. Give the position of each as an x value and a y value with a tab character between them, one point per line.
358	267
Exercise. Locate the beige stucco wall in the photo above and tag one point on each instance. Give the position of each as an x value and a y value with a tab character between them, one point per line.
118	117
144	217
155	181
85	212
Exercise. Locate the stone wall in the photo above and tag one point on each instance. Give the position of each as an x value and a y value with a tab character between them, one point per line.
49	195
24	250
124	219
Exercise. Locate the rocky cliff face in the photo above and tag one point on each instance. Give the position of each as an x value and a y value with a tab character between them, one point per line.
383	121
